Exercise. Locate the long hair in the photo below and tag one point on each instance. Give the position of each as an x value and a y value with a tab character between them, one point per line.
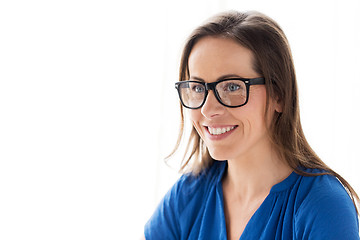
272	60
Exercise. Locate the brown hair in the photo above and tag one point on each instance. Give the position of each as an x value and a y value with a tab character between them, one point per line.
272	60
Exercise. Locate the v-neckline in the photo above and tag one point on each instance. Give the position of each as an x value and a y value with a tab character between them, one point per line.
223	211
283	185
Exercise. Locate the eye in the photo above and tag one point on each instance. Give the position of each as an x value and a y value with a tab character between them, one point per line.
232	87
198	88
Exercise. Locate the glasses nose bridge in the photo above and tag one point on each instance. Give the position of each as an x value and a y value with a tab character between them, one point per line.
210	86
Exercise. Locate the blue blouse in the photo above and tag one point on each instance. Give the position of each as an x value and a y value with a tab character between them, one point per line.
299	207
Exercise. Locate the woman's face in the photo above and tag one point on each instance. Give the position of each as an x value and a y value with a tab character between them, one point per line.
229	133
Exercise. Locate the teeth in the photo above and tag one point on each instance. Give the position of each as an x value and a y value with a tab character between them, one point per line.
218	131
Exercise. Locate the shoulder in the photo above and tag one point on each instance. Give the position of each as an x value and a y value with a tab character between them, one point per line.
323	189
325	209
181	202
190	186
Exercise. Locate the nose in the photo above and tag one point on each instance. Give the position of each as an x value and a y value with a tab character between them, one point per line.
212	108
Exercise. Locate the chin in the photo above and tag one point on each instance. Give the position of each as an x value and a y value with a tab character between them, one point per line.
219	155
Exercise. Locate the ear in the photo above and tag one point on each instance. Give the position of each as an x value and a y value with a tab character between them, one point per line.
278	105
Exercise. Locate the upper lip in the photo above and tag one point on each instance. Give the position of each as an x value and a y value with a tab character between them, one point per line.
219	125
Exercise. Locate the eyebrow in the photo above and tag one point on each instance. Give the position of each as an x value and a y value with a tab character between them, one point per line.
218	79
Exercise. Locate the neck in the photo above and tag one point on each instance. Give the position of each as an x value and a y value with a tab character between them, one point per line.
253	176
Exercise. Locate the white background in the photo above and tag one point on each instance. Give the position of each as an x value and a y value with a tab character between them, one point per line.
88	108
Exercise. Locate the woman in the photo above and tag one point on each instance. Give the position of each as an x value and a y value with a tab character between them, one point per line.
250	171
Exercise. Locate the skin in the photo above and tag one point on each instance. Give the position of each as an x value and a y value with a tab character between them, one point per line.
253	165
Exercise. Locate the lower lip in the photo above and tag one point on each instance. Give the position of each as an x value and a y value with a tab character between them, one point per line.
220	136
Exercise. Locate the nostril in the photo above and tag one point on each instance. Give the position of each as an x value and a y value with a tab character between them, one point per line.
212	108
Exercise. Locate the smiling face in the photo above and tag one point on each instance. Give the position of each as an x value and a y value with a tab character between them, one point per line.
229	133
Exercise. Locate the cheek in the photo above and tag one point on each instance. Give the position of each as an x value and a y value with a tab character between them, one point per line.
193	114
195	117
251	116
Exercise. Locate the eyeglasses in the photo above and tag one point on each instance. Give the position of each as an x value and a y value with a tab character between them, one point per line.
231	93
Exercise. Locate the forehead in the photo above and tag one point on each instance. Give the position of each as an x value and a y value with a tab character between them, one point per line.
215	56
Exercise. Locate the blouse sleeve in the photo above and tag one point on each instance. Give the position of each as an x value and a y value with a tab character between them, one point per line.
164	224
327	214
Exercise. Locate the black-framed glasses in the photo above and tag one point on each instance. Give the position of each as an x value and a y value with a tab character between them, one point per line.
233	92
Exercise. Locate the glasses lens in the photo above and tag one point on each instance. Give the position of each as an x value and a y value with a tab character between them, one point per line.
192	94
232	92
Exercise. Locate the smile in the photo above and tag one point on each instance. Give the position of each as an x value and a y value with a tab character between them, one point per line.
220	130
